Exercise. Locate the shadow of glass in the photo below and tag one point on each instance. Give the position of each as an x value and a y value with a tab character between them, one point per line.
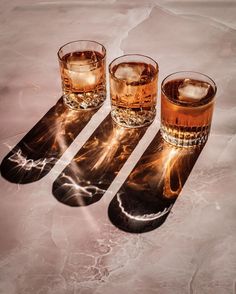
146	198
85	180
35	155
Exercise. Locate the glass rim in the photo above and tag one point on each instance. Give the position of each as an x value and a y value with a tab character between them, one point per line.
185	103
82	40
132	54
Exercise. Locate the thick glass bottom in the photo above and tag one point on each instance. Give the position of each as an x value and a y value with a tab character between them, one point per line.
185	136
132	118
85	100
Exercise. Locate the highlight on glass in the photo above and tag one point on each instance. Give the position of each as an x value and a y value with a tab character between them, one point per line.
187	103
133	90
83	74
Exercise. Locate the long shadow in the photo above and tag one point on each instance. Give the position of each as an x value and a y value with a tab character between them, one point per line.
85	180
146	198
35	155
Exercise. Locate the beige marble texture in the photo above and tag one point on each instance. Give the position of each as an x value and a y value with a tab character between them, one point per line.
50	248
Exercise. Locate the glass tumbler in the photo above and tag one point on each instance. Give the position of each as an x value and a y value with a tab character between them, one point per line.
83	74
187	103
133	90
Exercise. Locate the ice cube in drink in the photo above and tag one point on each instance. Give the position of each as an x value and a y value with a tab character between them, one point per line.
130	72
191	90
82	71
83	74
186	109
133	92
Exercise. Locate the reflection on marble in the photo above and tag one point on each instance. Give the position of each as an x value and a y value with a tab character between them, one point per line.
50	248
35	155
85	180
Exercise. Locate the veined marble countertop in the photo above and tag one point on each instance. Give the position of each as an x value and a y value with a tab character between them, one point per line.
50	248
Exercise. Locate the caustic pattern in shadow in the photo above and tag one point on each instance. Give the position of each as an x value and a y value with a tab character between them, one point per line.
85	180
35	155
150	191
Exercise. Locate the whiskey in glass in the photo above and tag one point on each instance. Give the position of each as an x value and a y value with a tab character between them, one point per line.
83	74
133	90
187	102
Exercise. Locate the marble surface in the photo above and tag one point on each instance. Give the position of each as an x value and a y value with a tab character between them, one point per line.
47	247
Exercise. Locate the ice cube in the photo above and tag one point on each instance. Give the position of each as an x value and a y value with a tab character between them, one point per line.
79	63
191	90
129	72
83	81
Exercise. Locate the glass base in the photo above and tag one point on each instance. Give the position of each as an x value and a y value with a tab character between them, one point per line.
86	100
185	137
132	118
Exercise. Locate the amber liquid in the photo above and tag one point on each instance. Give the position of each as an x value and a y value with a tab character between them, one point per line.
185	123
133	96
83	79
